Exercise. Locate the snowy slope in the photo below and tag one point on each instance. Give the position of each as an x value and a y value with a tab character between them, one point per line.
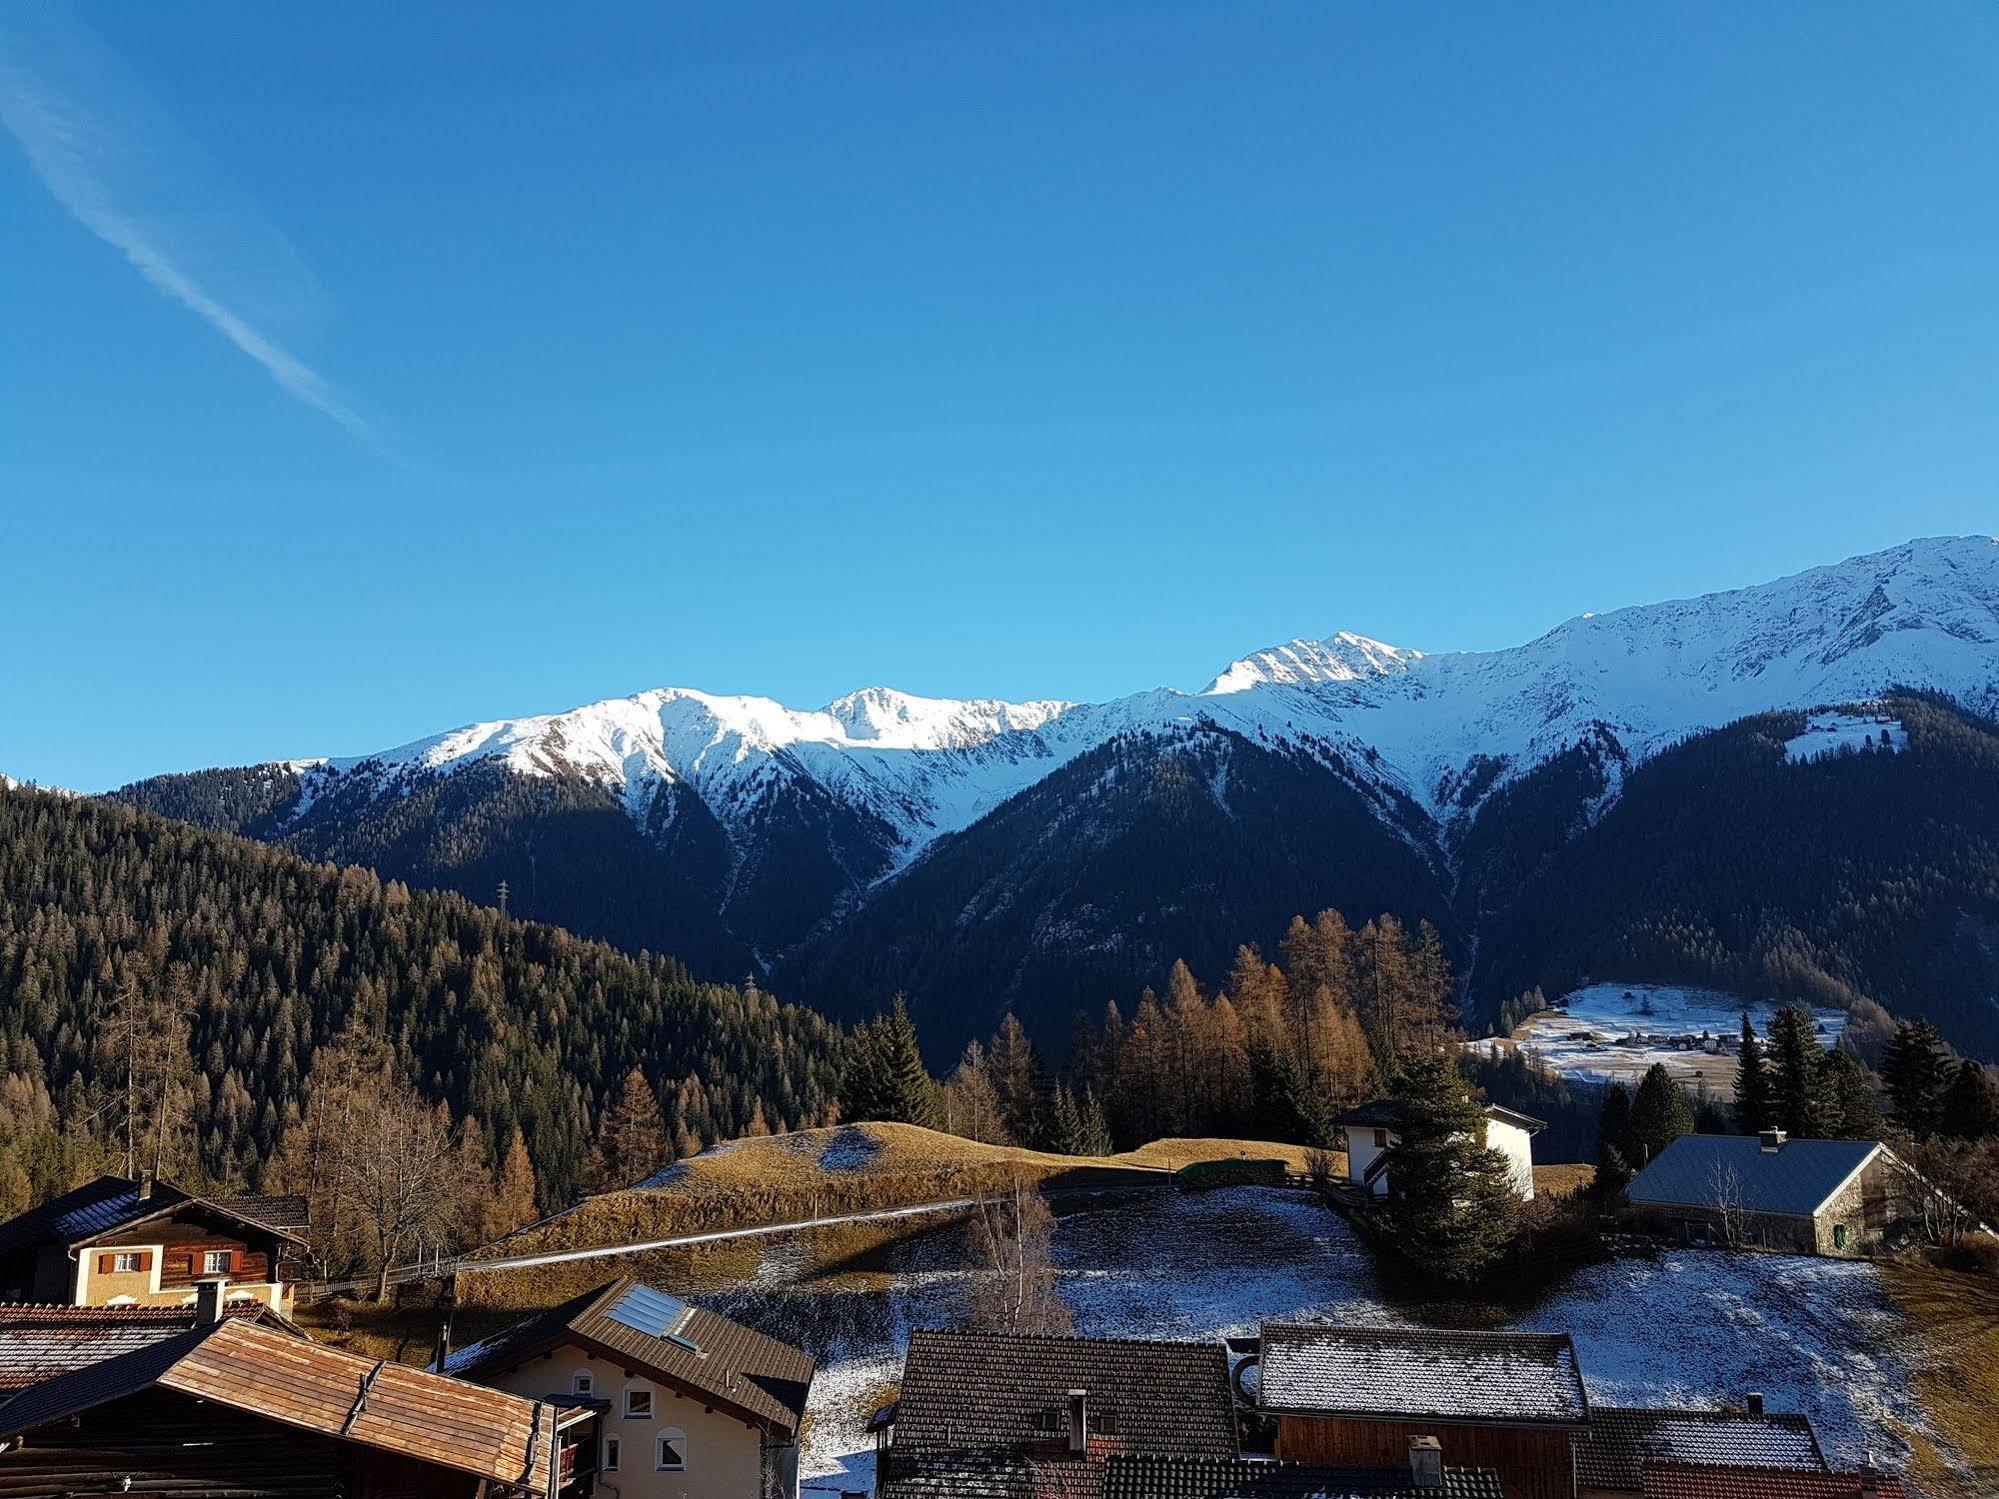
1925	615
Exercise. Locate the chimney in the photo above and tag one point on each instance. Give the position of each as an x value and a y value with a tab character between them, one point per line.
443	1349
1772	1141
211	1296
1755	1402
1079	1423
1870	1477
1426	1463
145	1185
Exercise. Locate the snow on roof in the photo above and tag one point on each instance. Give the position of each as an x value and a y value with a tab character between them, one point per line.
1478	1378
1796	1178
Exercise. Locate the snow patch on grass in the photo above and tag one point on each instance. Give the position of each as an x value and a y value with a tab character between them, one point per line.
1829	733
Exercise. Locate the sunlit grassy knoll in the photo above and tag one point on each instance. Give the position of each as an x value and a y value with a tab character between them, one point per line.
1952	1319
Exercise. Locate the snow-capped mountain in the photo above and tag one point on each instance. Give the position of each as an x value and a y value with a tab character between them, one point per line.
1923	615
887	840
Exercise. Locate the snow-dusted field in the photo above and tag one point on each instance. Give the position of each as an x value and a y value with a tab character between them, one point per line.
1613	1032
1828	733
1692	1327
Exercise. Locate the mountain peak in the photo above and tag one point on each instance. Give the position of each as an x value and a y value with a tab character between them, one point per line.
1340	657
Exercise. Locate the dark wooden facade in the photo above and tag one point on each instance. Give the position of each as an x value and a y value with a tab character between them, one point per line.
185	1242
1533	1462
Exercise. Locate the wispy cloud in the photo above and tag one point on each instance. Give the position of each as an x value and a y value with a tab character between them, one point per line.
118	162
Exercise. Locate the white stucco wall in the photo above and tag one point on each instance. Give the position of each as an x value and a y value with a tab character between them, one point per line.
1361	1152
1513	1142
723	1455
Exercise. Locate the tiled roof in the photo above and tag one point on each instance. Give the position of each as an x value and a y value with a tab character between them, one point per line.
112	1202
999	1390
39	1343
235	1363
1621	1440
1482	1378
729	1364
1688	1481
1796	1178
1137	1477
282	1212
989	1474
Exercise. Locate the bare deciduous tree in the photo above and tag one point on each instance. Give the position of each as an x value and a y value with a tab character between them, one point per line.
1013	1266
1726	1196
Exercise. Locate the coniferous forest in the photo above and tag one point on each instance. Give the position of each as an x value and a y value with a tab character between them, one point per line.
165	993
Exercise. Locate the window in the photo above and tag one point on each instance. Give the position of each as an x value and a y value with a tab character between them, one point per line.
1839	1236
583	1383
638	1402
672	1451
610	1454
128	1262
1381	1139
215	1262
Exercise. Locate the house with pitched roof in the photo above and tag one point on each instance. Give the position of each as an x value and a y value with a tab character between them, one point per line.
1834	1197
39	1343
1374	1130
689	1402
1011	1416
1612	1455
118	1242
1361	1397
235	1407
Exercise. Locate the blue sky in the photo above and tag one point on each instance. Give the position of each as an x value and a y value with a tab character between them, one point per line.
370	369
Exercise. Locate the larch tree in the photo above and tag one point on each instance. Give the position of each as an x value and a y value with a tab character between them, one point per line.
631	1141
513	1202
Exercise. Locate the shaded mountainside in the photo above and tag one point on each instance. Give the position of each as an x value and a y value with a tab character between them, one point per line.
1857	876
1087	886
517	1024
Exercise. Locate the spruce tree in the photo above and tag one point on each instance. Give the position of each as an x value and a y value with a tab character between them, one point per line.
1660	1114
1453	1208
1614	1143
1752	1083
1797	1075
1096	1136
1856	1108
1066	1124
912	1094
1915	1066
1970	1108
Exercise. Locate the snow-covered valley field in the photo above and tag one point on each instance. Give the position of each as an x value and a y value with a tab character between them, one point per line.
1693	1328
1613	1032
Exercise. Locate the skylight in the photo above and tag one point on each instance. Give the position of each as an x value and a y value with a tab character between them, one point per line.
655	1314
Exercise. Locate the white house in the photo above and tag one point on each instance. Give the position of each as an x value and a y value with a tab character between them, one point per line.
1374	1130
691	1405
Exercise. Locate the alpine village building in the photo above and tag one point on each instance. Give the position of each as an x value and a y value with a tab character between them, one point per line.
1374	1130
690	1404
1830	1197
117	1242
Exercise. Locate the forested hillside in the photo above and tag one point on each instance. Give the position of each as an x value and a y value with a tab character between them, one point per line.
1860	878
183	982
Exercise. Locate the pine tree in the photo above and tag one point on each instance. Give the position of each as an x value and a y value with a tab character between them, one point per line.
1970	1108
1915	1066
1066	1123
1453	1208
1752	1083
1797	1075
1096	1131
1660	1114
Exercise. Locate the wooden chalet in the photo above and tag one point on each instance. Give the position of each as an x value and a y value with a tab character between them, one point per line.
117	1242
1361	1397
235	1408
